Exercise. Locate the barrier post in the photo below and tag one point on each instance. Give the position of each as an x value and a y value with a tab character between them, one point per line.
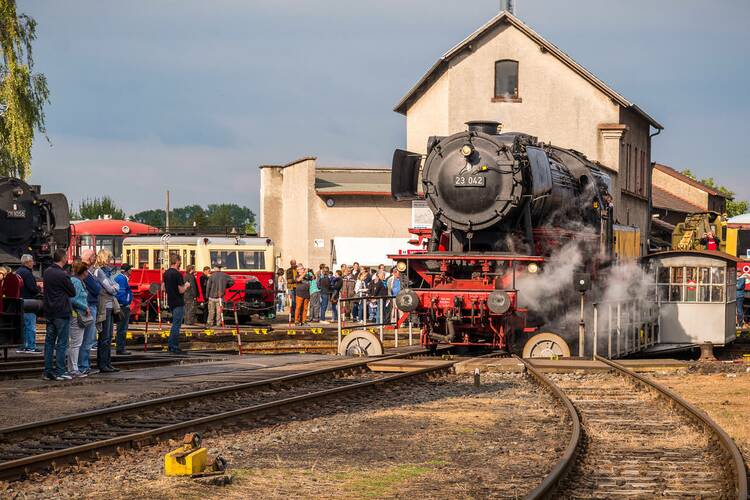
618	329
339	323
609	331
410	334
145	333
395	325
237	330
380	317
596	328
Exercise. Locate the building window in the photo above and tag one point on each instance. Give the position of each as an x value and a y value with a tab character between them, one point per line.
506	79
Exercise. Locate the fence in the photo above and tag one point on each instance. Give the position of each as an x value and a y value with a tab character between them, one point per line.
627	327
386	315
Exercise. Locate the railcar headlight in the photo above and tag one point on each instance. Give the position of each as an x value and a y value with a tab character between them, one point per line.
401	266
466	150
533	268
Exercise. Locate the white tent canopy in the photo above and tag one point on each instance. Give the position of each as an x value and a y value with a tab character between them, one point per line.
368	251
740	219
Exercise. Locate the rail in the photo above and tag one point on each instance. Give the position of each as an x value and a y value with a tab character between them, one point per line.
626	326
548	486
384	314
730	448
68	447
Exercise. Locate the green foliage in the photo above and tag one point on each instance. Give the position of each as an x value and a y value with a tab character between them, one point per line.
99	207
733	207
155	218
74	215
213	216
23	93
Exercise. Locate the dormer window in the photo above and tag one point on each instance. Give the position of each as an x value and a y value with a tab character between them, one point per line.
506	80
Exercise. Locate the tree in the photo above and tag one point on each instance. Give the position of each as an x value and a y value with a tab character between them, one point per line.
155	218
99	207
23	93
230	214
191	215
733	207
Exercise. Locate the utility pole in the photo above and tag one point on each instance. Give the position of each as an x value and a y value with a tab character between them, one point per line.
167	212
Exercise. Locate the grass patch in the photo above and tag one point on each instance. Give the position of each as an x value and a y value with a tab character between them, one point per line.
380	483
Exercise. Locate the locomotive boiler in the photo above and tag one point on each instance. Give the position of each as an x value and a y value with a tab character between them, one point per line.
31	222
501	204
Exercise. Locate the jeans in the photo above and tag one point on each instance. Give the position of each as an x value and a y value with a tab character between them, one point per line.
56	344
293	304
29	331
324	297
74	344
740	311
280	297
315	306
355	310
89	339
104	344
174	331
335	311
122	328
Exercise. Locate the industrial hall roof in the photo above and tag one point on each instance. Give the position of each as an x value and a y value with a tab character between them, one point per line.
687	180
505	17
332	181
663	199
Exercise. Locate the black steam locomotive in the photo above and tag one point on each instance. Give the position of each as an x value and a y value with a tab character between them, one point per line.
502	204
483	186
31	222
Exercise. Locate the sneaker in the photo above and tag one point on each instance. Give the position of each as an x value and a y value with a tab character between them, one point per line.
22	350
47	376
124	353
82	375
324	322
74	374
64	376
34	351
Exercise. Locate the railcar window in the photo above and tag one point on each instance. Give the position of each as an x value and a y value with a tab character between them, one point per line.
142	259
227	258
691	284
506	79
251	260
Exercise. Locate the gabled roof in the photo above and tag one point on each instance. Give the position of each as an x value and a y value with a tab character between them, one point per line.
665	200
687	180
505	17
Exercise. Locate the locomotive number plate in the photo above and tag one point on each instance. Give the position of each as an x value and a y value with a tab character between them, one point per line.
469	181
15	214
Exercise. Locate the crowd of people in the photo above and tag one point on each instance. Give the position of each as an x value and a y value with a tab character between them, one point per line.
84	302
309	294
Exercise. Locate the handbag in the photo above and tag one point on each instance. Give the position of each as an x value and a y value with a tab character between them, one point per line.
85	321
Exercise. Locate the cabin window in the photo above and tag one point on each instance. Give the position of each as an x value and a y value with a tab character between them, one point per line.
691	284
224	258
251	260
142	259
506	79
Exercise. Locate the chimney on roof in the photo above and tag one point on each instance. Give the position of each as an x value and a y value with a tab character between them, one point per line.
507	5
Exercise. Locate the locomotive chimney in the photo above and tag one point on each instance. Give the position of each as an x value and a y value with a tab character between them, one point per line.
486	127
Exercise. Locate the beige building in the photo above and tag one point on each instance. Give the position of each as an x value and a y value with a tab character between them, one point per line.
675	195
305	207
505	72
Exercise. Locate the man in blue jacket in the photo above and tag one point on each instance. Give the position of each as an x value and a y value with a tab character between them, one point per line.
125	298
29	290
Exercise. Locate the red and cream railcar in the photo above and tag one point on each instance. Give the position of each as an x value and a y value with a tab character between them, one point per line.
104	234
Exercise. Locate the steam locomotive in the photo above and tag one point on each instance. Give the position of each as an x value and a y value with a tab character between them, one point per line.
502	204
31	222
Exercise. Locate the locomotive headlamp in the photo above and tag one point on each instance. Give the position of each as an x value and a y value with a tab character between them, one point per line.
401	266
467	150
533	268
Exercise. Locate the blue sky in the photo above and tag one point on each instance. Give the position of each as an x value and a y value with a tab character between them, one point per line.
192	96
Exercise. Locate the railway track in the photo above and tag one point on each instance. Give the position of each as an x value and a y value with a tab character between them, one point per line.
55	442
640	443
33	368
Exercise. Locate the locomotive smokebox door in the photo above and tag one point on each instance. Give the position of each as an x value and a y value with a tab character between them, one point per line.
405	174
582	282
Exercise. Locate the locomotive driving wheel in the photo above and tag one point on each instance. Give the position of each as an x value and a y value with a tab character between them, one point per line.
546	345
361	344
